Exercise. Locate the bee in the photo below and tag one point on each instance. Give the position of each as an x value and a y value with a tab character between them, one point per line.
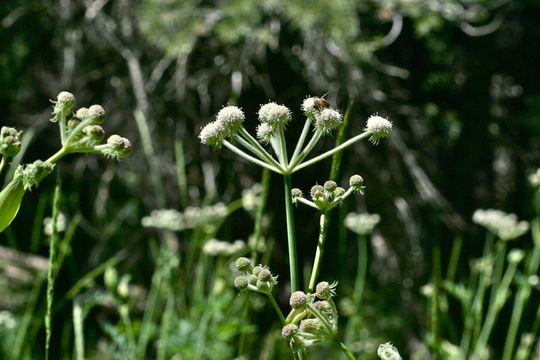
322	103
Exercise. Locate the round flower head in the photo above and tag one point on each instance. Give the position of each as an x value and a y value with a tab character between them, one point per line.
265	275
317	191
243	264
324	290
357	182
10	141
298	299
95	133
327	120
241	282
265	132
296	194
82	113
289	331
96	113
257	269
330	185
322	306
274	114
387	351
230	118
63	104
212	134
515	256
252	279
311	326
378	127
66	98
309	106
339	191
119	147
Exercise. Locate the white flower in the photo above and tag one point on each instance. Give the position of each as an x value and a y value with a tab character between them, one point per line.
214	247
274	114
212	134
309	106
230	119
327	120
361	224
503	225
387	351
265	132
378	127
534	178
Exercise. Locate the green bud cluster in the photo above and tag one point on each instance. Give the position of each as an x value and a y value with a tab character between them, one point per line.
256	278
327	196
313	318
10	141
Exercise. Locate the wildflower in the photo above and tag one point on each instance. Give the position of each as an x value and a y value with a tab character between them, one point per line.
327	120
214	247
361	224
330	186
82	114
356	182
378	127
229	120
63	104
274	115
309	106
117	147
289	331
312	325
503	225
93	134
244	265
10	141
60	224
324	290
265	132
296	193
534	178
387	351
241	282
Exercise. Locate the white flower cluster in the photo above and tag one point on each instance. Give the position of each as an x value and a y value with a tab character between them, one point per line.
7	320
272	117
251	197
361	224
191	218
503	225
228	122
387	351
215	247
534	178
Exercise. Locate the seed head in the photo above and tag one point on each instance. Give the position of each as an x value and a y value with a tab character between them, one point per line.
298	299
274	115
289	331
230	119
387	351
327	120
119	147
265	132
241	282
212	134
378	127
324	290
96	113
244	264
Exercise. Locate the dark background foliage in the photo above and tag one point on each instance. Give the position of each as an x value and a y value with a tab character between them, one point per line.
459	80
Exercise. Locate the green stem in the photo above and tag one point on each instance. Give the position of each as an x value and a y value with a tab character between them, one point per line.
291	235
283	146
2	164
266	155
360	270
454	258
257	232
336	161
331	152
276	307
78	330
51	269
311	144
345	349
57	156
435	302
301	140
323	229
249	157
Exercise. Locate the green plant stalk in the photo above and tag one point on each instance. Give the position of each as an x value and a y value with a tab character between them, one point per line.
259	155
276	307
495	308
435	321
265	154
336	161
475	313
454	258
500	254
78	330
323	229
291	234
301	140
523	294
283	146
165	327
239	152
310	145
257	232
2	164
51	269
331	152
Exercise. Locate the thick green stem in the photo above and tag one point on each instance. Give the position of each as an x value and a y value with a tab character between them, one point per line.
291	234
323	229
57	156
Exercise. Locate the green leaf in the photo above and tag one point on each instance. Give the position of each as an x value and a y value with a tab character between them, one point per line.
10	201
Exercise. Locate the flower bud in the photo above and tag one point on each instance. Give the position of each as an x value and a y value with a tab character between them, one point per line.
298	299
322	306
274	115
119	147
96	113
265	275
296	194
324	290
387	351
257	269
10	141
241	282
244	265
212	134
339	191
327	120
264	286
515	256
252	279
94	134
32	174
265	132
123	286
110	278
317	191
378	127
311	326
330	186
356	182
63	104
72	123
82	114
289	331
230	119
